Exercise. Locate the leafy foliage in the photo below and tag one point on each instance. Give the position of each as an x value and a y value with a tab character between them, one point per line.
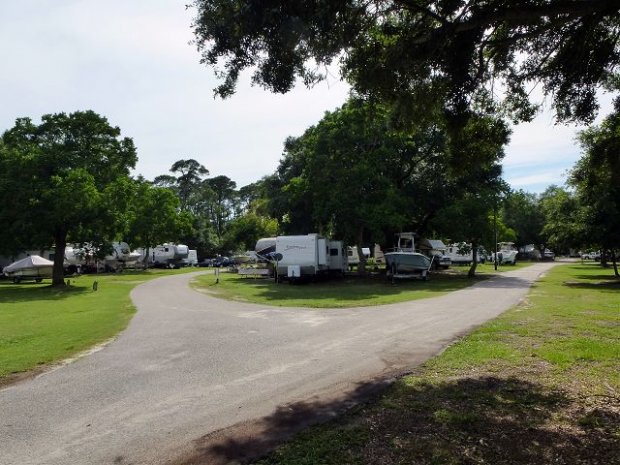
596	178
415	51
62	177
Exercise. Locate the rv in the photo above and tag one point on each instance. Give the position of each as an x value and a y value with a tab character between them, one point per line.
168	255
461	253
297	257
353	254
192	258
436	251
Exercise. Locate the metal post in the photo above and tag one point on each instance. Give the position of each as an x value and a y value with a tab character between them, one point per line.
495	233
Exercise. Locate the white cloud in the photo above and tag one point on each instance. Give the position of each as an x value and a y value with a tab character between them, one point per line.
131	62
544	178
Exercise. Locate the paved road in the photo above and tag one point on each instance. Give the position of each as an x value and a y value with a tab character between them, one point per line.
189	364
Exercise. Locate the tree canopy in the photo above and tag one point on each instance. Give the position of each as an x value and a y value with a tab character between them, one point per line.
469	52
63	177
596	178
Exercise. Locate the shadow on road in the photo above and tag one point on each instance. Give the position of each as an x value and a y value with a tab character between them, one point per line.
469	420
505	282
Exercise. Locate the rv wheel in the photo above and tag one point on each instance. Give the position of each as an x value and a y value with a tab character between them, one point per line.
17	279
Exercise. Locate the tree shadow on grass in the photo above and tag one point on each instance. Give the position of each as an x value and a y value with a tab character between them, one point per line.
32	292
599	277
356	288
466	421
601	286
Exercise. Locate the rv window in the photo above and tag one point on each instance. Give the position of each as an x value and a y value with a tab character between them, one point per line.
166	249
333	252
350	253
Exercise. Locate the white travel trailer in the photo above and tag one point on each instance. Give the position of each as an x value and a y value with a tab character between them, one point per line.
460	253
353	254
192	258
303	256
121	257
168	255
84	258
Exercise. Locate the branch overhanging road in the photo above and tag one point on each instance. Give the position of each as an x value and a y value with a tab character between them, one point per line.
190	364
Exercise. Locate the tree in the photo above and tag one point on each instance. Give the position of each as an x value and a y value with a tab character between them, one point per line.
421	51
155	217
221	203
245	230
60	176
187	183
596	178
522	212
472	219
361	175
564	220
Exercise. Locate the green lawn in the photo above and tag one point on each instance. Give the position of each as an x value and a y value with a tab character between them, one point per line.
40	324
339	293
539	384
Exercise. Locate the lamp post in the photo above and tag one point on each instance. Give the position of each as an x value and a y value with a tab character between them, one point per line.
495	233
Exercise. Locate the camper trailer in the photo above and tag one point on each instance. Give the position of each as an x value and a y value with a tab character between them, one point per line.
192	258
168	255
303	256
436	251
353	255
461	253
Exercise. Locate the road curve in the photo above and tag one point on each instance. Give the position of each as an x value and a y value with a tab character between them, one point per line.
189	364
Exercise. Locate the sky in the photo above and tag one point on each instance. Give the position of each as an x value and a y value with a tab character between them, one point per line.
132	62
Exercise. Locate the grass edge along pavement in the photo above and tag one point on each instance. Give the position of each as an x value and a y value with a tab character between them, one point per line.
41	325
539	384
352	291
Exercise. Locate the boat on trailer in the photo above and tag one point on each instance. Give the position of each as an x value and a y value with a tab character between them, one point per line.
32	267
404	262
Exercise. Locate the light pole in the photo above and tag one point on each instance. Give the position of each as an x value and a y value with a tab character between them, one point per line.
495	233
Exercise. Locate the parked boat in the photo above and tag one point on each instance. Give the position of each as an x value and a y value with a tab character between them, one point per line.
506	253
404	262
31	267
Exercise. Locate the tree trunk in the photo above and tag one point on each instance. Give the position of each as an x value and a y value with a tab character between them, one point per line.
604	263
614	260
145	262
361	267
58	273
474	260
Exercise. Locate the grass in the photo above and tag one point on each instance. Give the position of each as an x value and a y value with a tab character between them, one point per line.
351	291
347	292
539	384
41	325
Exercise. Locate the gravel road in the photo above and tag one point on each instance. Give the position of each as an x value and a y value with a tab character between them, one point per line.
189	364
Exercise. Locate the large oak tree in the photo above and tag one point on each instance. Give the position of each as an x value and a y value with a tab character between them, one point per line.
59	181
463	51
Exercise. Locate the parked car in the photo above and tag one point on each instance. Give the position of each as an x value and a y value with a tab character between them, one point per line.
591	255
548	255
222	261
